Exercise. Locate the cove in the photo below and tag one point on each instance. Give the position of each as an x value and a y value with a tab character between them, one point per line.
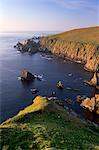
16	96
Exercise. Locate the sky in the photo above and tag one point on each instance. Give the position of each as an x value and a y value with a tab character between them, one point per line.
48	15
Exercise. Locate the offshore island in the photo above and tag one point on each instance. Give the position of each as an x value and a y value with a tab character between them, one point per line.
46	124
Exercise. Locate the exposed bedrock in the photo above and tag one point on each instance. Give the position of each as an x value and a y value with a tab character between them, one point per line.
94	81
29	45
87	53
92	104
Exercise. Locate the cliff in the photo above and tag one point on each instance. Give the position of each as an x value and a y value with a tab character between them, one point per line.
44	125
78	45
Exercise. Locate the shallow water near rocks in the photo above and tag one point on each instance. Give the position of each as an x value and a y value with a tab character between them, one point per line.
15	95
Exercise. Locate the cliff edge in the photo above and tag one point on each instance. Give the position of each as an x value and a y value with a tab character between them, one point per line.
80	45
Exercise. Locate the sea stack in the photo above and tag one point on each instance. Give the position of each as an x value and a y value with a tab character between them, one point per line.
26	75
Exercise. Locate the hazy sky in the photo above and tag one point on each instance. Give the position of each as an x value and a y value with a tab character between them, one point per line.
47	15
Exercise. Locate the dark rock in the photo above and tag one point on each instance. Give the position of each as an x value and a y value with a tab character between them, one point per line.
60	85
26	75
34	91
79	99
68	101
53	93
29	45
19	46
52	98
43	50
38	78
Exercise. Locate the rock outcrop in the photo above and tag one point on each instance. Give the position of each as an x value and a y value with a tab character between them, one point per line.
80	45
91	104
94	81
34	91
26	75
30	45
88	104
60	85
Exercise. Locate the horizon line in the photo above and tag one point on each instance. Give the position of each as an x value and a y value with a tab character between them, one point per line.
47	30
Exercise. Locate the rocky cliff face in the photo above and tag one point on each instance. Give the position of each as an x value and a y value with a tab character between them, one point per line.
94	80
87	53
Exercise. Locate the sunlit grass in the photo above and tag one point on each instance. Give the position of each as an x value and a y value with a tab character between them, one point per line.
87	35
44	125
39	103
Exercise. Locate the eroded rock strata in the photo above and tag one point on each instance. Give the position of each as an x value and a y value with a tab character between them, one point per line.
87	53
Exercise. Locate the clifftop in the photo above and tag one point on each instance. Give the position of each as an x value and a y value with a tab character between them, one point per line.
87	35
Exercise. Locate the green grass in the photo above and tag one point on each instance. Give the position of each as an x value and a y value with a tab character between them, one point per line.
87	35
49	128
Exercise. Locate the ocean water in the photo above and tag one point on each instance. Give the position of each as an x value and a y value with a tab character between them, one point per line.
15	95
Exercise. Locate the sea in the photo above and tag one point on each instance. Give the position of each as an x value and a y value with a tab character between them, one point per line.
16	95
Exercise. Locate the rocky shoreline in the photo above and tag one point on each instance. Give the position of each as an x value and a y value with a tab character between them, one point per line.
84	53
31	46
78	52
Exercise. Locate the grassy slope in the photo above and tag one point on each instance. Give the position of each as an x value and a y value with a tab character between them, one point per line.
47	126
90	35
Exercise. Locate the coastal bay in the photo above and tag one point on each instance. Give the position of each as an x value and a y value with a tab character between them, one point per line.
16	96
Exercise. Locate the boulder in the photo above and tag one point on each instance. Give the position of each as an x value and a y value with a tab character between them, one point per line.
79	99
34	91
60	85
53	93
88	104
92	104
26	75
